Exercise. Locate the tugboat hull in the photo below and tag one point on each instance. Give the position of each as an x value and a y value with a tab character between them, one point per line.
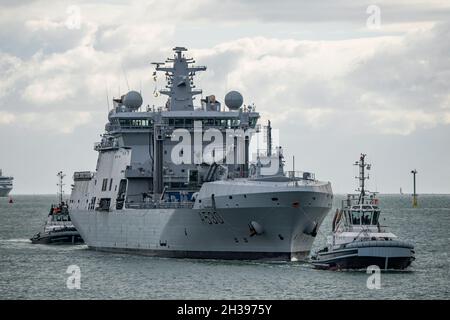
58	237
387	255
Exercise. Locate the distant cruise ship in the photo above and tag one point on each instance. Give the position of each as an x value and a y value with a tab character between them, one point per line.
6	185
152	194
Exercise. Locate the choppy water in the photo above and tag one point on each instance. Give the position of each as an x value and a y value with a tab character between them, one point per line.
30	271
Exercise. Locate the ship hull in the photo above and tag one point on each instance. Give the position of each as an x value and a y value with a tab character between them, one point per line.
60	237
220	255
356	263
393	255
4	192
220	233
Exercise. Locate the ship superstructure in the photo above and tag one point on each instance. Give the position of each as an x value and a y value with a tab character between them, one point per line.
177	181
6	185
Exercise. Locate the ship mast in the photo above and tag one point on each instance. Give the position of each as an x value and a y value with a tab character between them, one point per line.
60	185
269	138
180	80
362	177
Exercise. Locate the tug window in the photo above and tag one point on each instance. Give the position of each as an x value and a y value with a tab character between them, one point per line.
356	217
376	215
366	218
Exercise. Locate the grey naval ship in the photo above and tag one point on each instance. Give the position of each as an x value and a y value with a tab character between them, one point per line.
6	185
177	180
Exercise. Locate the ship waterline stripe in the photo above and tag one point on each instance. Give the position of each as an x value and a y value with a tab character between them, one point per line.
225	255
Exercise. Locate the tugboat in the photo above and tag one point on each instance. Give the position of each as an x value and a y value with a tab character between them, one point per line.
58	228
358	240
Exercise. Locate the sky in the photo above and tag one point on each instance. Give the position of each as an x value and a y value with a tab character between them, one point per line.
336	78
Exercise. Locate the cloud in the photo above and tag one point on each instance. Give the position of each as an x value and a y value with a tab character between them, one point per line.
394	85
6	117
323	12
56	122
402	122
314	68
50	70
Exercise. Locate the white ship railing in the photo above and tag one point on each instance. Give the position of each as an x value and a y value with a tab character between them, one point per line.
354	200
159	205
303	175
106	145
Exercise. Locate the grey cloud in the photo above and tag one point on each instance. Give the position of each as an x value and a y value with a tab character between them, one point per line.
321	11
19	39
315	91
414	75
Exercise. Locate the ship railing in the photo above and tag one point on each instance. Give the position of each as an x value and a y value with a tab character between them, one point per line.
136	172
354	199
159	205
238	174
117	127
83	175
105	145
301	175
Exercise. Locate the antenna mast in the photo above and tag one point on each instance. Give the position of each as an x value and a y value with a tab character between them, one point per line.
60	185
414	172
362	177
269	138
107	96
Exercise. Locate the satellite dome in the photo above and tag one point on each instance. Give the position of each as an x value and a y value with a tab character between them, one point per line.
233	100
132	100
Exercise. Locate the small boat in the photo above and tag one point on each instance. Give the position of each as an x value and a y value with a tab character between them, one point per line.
59	228
358	240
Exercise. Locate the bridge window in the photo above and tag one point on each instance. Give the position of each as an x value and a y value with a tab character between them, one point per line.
253	122
134	123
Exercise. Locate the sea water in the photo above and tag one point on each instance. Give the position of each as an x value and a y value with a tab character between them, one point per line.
30	271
